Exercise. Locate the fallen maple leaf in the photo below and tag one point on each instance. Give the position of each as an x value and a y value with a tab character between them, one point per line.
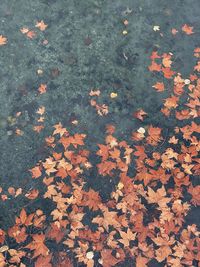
2	260
155	67
109	219
32	194
166	61
187	29
102	109
139	114
108	260
2	236
162	253
11	191
174	31
158	196
154	135
154	55
3	40
141	261
168	73
126	237
171	102
91	199
38	128
18	233
36	172
159	86
23	216
43	261
42	88
59	129
195	192
173	140
41	25
94	93
197	67
31	34
16	256
38	246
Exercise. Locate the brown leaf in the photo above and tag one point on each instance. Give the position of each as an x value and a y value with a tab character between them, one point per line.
38	246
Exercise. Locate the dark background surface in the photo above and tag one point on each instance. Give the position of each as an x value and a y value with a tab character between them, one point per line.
86	50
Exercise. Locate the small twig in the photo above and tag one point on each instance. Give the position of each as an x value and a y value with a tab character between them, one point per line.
125	56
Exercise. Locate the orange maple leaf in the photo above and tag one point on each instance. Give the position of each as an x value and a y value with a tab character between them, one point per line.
103	152
197	67
158	196
110	129
140	152
32	194
168	73
41	25
173	140
159	86
174	31
109	219
3	40
91	199
154	66
108	259
187	29
18	233
23	216
2	236
102	109
145	177
43	261
126	237
11	191
38	128
162	253
42	88
166	61
31	34
56	232
139	114
141	261
106	167
195	192
94	93
59	129
36	172
154	55
38	246
171	102
154	135
78	140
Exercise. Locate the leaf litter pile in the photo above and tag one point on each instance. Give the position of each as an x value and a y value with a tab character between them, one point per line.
155	175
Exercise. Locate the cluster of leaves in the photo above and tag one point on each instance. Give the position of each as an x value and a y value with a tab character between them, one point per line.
143	218
31	33
102	109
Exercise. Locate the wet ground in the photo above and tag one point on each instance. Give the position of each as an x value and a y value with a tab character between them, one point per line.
86	49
